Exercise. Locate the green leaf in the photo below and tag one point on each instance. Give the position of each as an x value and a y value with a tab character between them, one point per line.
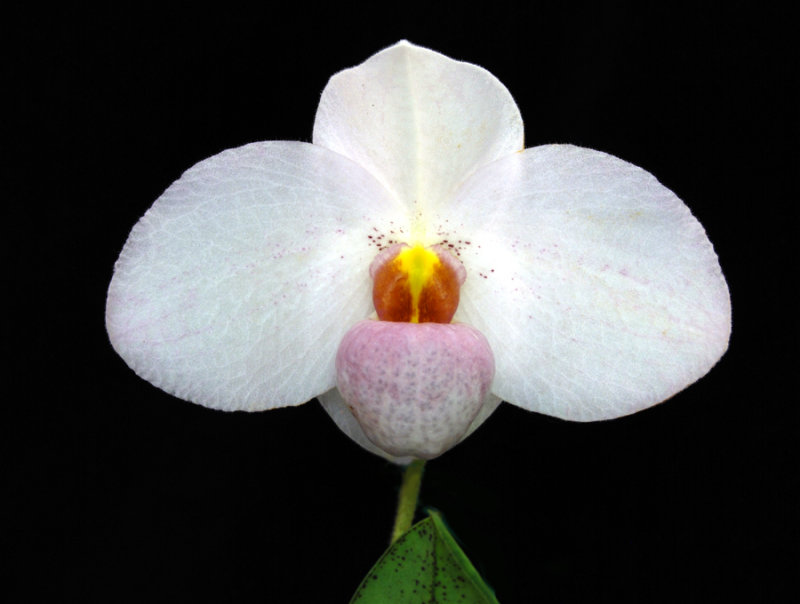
424	565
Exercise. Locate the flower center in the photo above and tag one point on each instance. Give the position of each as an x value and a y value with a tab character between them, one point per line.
416	284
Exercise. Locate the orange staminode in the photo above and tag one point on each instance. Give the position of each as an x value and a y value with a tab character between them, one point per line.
416	286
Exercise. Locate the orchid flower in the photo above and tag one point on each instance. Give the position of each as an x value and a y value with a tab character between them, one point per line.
415	265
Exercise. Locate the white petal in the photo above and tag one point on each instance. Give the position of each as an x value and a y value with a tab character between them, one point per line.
598	291
337	408
419	121
235	288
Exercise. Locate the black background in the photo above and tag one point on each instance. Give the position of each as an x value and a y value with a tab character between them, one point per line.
119	492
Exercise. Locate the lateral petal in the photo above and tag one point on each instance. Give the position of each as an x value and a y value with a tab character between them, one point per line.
235	288
597	289
420	121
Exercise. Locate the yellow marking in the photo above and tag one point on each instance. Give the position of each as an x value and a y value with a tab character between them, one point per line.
419	264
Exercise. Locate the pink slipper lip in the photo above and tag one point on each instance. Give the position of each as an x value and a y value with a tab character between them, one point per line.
414	388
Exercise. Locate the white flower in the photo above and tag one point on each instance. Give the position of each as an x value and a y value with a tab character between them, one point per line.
596	289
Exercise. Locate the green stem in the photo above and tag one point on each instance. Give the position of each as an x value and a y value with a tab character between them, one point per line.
407	500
